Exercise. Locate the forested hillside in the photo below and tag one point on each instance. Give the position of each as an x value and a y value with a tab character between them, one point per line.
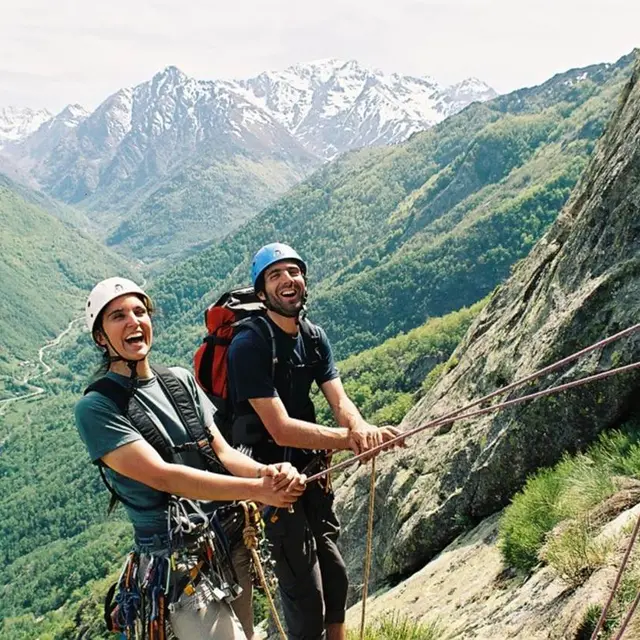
46	267
395	236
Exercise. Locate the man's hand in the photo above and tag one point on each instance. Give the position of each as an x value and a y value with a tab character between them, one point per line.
363	437
366	436
389	433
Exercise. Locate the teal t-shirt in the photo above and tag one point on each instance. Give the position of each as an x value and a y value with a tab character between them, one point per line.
103	429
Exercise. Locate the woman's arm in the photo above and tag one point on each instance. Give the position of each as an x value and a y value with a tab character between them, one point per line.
141	462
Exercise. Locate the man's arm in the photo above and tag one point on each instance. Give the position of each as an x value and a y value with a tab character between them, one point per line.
364	436
290	432
141	462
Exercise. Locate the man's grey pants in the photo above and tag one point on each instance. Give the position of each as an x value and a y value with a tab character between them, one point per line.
311	572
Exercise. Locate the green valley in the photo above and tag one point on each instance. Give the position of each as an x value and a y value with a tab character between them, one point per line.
46	268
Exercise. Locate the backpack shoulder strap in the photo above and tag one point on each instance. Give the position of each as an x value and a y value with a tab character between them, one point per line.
183	403
112	390
260	325
309	328
130	407
311	336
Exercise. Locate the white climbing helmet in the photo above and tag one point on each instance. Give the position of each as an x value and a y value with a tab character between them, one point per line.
106	291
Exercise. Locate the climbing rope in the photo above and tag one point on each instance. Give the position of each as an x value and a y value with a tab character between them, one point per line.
367	556
250	535
616	583
461	414
449	417
628	617
457	415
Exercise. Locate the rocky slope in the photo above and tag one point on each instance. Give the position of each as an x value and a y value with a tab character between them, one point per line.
467	591
580	283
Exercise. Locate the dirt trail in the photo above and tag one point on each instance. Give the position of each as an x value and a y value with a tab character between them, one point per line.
43	370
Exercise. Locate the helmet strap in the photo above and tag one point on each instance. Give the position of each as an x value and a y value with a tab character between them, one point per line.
132	364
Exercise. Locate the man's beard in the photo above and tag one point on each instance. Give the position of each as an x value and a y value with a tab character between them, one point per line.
273	304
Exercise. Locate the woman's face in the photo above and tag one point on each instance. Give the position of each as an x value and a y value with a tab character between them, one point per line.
127	325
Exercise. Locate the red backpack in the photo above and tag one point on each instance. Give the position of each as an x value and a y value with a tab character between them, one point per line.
233	311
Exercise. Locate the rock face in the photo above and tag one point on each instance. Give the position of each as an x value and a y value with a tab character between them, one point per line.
580	283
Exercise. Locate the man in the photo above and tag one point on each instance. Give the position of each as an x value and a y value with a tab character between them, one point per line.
276	419
118	317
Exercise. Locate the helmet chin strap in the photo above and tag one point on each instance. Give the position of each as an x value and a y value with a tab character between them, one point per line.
132	364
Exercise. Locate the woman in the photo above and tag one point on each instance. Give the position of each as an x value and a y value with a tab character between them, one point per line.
168	489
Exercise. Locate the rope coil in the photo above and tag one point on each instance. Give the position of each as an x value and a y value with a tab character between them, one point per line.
250	539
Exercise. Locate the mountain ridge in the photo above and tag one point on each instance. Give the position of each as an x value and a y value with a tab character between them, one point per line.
176	161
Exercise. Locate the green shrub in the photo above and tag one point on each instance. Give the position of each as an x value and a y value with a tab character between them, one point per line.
574	552
529	518
567	491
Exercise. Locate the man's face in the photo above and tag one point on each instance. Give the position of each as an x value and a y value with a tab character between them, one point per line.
127	324
285	288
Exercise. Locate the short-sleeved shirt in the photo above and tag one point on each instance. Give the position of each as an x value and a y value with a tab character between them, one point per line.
300	362
103	428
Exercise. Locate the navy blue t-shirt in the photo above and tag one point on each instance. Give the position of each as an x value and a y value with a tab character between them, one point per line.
301	361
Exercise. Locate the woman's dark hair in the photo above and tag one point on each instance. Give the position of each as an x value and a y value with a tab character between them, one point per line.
105	360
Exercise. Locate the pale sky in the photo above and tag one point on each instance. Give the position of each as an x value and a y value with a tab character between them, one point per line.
53	53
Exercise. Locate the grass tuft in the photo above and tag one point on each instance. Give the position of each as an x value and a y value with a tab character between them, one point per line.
395	626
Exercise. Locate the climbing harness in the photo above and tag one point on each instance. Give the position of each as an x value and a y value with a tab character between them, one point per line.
320	461
150	585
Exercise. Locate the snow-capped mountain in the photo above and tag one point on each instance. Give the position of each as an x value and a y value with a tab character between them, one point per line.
332	105
16	123
47	136
143	133
202	156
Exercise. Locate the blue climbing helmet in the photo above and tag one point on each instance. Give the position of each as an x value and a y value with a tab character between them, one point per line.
270	254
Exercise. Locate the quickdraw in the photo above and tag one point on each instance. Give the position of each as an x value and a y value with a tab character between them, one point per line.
124	600
149	586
